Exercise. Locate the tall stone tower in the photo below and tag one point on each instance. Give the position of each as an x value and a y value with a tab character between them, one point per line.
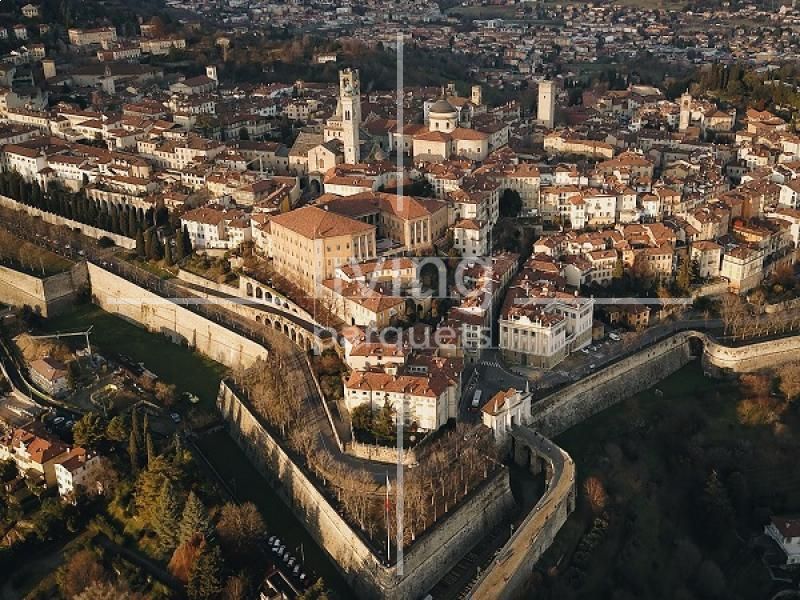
477	95
350	101
686	111
546	111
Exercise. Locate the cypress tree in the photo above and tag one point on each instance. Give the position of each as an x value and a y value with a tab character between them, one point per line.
133	223
151	450
123	222
180	246
133	452
194	519
205	575
168	254
187	242
140	247
167	515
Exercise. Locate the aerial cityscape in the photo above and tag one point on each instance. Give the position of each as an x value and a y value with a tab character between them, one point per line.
382	299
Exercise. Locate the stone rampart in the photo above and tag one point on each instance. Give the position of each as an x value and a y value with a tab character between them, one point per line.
431	555
45	295
129	301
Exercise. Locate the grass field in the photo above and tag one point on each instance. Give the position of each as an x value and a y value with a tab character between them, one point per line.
188	370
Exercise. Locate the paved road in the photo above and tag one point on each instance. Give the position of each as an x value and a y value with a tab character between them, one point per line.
513	558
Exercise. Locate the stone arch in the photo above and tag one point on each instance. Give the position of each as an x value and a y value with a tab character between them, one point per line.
294	335
277	324
259	293
433	274
249	289
258	318
285	329
268	295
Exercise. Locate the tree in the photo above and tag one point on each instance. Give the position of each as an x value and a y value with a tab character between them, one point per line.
116	431
103	591
149	488
90	430
8	470
205	575
318	591
133	452
361	417
80	571
140	246
180	246
789	376
194	519
165	393
167	514
683	280
151	450
168	254
185	556
237	587
187	242
619	269
240	529
510	203
596	494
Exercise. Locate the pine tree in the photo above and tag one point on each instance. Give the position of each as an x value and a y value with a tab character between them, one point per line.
205	575
167	515
133	452
194	519
140	248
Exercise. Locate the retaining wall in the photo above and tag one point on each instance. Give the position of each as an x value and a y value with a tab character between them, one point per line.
129	301
431	556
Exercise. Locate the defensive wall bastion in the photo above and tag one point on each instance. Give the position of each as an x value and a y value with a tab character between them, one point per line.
46	295
508	575
432	554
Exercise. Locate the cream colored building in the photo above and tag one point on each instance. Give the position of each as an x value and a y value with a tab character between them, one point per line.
310	243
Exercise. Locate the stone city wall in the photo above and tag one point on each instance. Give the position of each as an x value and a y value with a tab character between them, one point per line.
751	357
569	406
129	301
432	555
46	295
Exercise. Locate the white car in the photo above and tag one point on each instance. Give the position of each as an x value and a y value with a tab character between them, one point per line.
614	336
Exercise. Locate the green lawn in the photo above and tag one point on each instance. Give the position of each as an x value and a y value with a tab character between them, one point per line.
186	369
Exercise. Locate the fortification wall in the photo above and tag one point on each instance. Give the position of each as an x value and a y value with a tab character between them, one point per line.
54	219
129	301
430	557
48	295
561	410
752	357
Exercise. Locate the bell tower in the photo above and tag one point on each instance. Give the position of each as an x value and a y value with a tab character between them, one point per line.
686	112
350	101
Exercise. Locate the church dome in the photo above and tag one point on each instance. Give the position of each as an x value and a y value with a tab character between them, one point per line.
442	107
